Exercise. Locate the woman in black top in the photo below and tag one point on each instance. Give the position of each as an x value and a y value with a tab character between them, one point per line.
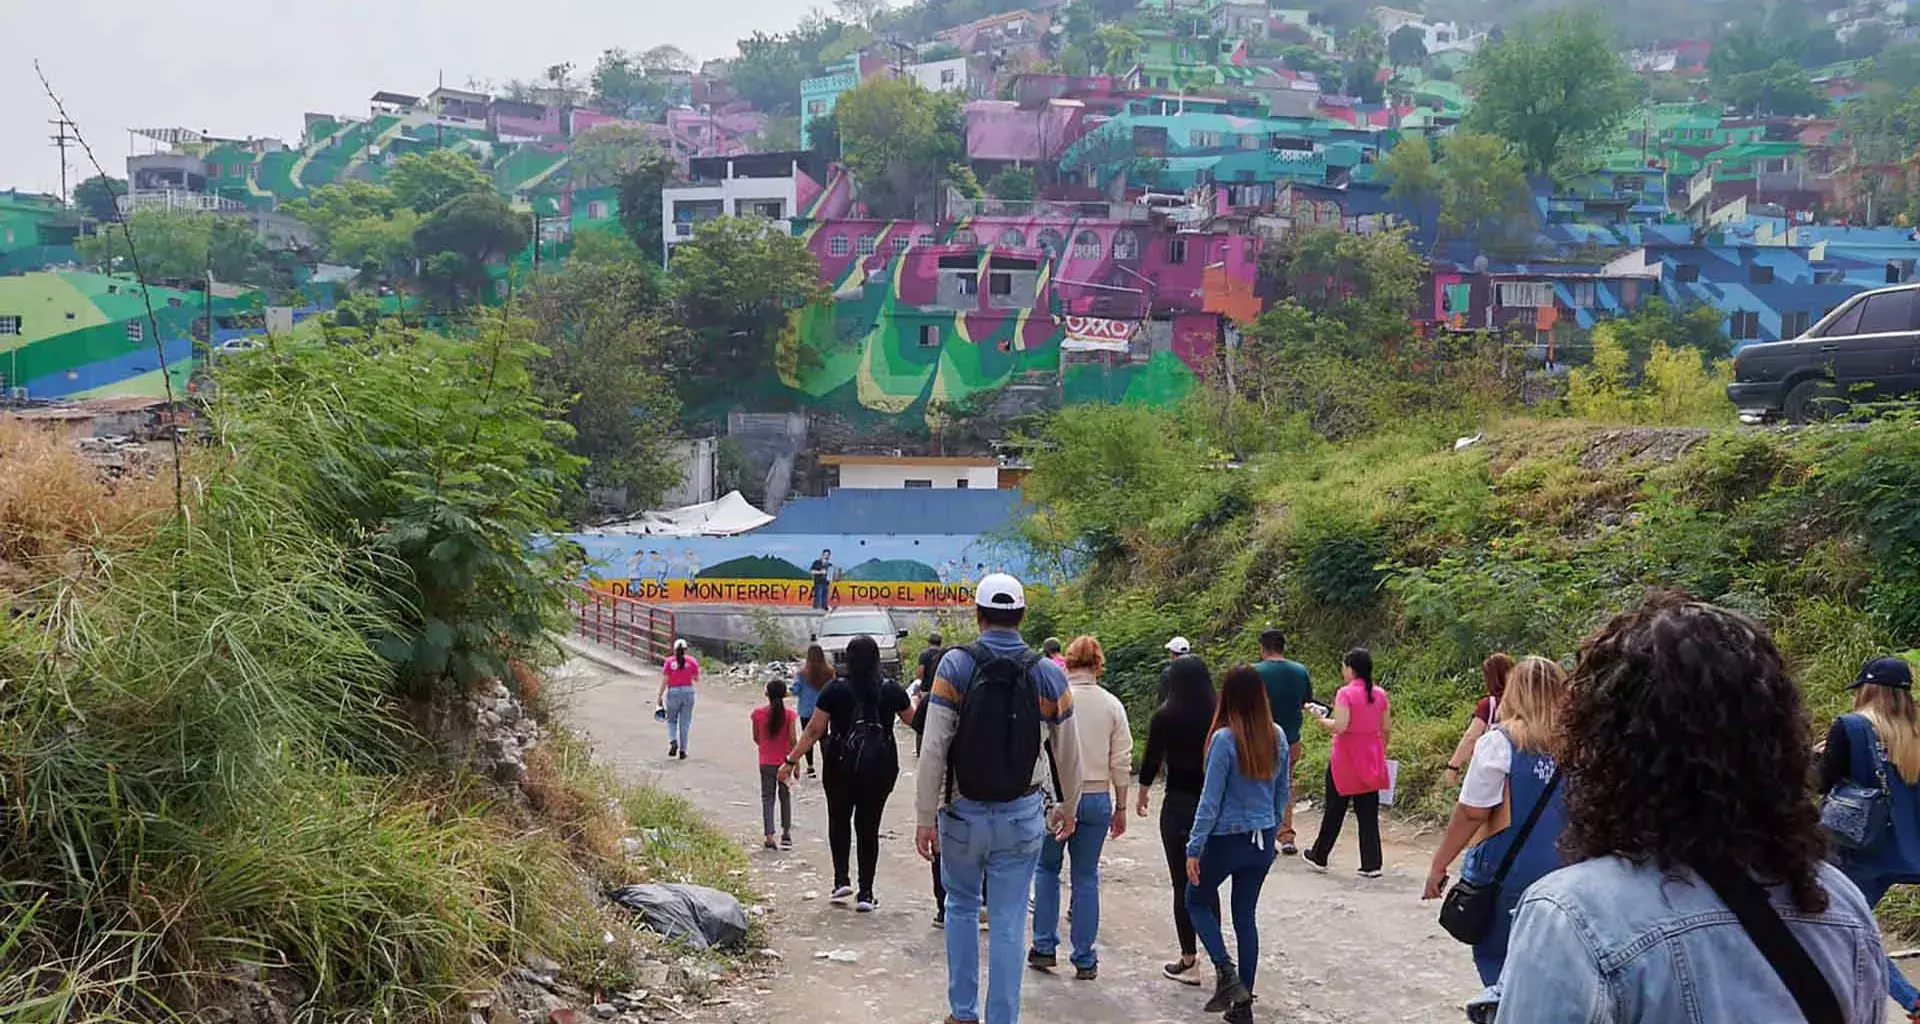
1177	740
855	713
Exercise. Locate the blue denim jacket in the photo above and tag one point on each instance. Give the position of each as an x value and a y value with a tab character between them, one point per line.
1610	942
1231	803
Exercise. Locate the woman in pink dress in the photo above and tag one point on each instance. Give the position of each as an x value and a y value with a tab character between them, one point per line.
1357	772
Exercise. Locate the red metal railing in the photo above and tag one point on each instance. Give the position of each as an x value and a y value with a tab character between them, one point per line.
633	628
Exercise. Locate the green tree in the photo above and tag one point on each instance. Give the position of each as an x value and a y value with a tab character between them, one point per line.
182	247
424	182
95	197
626	86
1553	88
1758	64
1013	183
1307	60
600	321
1781	89
639	187
733	284
901	142
1369	284
1115	49
603	154
1413	177
1883	125
1362	81
459	240
327	208
1407	47
1483	187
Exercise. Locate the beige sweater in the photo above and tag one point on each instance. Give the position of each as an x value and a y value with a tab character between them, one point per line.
1106	743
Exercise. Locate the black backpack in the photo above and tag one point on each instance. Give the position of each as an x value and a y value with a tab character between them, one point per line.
867	750
998	738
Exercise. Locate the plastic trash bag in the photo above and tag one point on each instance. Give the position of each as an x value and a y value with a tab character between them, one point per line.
700	916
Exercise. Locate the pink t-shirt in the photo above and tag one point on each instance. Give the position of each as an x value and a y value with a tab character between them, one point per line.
1359	759
774	749
681	676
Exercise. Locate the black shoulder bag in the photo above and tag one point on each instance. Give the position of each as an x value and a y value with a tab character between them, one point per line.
1763	924
1467	912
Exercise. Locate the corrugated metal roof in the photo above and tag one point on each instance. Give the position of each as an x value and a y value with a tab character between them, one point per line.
922	511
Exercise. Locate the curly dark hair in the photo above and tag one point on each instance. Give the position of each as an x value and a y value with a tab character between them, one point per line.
1685	743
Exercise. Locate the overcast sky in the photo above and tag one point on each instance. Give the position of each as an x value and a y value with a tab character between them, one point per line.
253	67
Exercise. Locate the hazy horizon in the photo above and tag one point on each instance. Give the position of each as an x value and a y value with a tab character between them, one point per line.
119	65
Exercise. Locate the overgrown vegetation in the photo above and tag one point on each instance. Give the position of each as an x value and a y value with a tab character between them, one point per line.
204	761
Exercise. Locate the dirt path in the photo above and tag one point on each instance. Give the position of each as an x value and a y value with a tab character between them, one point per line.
1335	948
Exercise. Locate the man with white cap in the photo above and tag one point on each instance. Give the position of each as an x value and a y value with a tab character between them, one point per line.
981	800
1177	648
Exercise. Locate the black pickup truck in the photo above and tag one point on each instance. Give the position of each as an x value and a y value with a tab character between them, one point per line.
1868	347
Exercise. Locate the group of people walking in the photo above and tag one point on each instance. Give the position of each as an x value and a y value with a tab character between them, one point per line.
1636	837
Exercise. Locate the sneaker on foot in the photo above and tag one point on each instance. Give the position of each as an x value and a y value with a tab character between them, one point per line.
683	755
840	893
866	903
771	845
940	918
673	750
1186	972
1041	961
1369	872
1317	865
1287	849
786	841
1086	973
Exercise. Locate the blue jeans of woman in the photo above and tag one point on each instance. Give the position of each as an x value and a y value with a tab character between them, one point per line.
679	715
1245	858
1094	818
1873	887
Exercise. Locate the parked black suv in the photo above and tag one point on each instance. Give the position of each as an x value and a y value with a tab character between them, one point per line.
1868	347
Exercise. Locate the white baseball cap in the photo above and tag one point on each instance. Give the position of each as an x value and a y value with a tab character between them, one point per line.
1180	645
1001	591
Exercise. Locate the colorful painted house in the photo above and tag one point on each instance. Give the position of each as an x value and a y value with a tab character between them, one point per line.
35	231
71	334
1060	301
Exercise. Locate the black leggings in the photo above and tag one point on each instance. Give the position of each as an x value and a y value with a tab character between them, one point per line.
803	728
1176	822
1366	810
854	808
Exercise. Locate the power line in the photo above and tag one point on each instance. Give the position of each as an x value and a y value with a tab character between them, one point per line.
133	255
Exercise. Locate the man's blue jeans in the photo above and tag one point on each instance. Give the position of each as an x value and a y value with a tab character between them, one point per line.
998	844
1089	838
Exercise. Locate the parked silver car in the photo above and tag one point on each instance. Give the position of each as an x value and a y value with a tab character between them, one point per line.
838	628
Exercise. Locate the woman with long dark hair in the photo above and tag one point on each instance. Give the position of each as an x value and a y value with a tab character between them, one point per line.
677	676
1692	840
1241	799
1177	743
814	675
773	734
856	715
1361	722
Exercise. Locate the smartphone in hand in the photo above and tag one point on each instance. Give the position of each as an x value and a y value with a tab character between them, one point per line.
1319	709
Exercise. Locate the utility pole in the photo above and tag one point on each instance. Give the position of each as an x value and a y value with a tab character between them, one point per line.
60	140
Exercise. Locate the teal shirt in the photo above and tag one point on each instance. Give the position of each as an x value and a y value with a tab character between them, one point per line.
1288	689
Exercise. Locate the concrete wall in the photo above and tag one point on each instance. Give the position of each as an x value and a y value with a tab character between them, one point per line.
894	476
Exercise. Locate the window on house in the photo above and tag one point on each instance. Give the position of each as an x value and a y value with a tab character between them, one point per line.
867	245
948	77
929	335
1126	245
771	209
1582	293
965	236
1203	140
10	325
1686	273
1000	284
1744	325
837	245
924	238
1793	324
816	107
1899	270
1523	294
1012	238
961	483
597	210
969	286
914	485
901	243
136	331
1176	250
1086	246
1760	274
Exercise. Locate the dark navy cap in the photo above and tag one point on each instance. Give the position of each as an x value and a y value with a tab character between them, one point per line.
1885	672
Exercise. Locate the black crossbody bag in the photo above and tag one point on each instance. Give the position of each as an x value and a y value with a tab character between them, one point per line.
1467	912
1811	991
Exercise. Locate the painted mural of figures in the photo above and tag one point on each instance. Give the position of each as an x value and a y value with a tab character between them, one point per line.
634	575
657	567
945	572
691	567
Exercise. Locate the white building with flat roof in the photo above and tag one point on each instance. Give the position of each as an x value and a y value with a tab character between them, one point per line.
901	472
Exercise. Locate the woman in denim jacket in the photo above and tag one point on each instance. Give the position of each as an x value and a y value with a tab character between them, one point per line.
1240	803
1684	749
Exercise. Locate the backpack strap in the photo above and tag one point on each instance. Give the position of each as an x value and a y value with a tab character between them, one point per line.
1811	991
1520	837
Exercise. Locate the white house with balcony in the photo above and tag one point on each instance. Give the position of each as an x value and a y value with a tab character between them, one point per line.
767	186
957	74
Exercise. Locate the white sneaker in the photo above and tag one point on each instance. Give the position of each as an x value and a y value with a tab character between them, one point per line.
1364	873
841	894
866	904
